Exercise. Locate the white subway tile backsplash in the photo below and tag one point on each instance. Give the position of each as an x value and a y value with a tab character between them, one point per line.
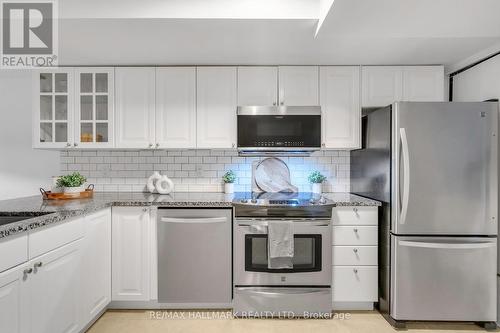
197	170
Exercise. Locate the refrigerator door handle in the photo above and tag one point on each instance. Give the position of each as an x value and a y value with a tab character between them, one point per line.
439	245
406	175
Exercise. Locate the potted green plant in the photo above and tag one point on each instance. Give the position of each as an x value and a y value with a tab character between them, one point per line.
229	178
72	183
316	179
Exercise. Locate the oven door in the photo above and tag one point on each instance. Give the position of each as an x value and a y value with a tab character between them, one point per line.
311	262
274	132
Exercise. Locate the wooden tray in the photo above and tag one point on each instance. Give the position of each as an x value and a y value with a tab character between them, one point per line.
48	195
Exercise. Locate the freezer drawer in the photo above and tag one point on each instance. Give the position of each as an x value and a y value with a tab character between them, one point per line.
194	256
443	278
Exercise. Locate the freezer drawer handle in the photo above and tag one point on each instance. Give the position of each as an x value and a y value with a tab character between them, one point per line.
406	177
479	245
194	220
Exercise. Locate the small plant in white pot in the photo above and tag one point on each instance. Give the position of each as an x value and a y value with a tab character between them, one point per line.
229	178
72	183
316	179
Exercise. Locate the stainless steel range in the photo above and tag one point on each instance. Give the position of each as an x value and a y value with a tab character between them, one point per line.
302	290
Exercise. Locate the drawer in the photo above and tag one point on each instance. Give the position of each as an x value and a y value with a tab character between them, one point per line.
53	236
14	251
355	284
354	255
355	235
355	215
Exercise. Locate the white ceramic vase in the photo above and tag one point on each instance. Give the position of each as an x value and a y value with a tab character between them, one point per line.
228	188
152	182
317	188
164	185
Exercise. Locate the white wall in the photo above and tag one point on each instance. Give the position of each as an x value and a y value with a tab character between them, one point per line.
22	169
478	83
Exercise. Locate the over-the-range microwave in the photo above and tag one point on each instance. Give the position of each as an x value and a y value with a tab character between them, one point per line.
276	130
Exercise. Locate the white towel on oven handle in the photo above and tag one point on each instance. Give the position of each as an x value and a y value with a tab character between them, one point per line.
280	244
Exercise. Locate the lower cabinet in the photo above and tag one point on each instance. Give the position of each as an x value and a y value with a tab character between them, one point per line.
355	258
96	263
64	288
54	290
131	254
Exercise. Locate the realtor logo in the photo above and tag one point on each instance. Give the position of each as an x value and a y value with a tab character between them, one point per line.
28	33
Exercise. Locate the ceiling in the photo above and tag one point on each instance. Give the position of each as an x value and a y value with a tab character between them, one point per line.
257	32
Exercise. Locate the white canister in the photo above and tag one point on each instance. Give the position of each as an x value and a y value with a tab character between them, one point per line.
76	189
228	188
317	188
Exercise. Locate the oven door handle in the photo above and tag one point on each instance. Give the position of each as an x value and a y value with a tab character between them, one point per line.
305	224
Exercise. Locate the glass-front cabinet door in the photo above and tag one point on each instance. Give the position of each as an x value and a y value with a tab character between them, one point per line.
94	107
53	108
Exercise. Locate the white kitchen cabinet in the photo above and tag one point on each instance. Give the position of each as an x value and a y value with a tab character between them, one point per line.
94	107
216	98
257	85
381	85
54	284
130	254
355	257
423	83
340	107
96	264
298	85
175	119
135	107
14	301
53	110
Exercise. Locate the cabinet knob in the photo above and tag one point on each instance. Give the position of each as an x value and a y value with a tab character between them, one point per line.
75	144
355	250
355	230
282	103
150	145
38	264
144	209
157	145
274	103
323	145
234	145
68	144
355	270
28	271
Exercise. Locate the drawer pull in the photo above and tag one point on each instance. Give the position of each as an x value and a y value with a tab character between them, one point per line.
355	250
38	264
355	270
355	230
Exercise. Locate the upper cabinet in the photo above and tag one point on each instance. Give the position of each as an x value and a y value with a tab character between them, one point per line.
383	85
73	108
298	85
340	106
257	85
216	107
135	107
53	108
94	107
175	107
423	83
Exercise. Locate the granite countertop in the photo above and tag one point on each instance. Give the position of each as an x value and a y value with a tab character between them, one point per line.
48	212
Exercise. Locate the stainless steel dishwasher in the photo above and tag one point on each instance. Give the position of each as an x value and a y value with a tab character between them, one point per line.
194	256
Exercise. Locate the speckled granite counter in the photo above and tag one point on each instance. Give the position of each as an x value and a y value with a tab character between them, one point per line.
57	211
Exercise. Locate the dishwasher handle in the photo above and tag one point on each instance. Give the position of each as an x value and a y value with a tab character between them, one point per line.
198	220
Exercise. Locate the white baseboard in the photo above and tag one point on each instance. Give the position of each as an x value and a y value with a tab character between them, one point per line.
352	306
168	306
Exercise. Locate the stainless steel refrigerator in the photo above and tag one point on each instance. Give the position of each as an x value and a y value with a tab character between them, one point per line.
434	167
